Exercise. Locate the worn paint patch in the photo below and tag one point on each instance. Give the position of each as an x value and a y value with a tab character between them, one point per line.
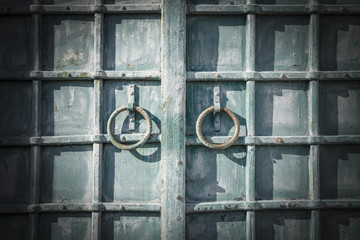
68	43
282	172
68	108
339	171
224	225
281	108
142	226
15	104
215	43
75	226
67	174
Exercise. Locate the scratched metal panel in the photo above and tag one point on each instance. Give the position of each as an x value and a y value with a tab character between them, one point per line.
132	175
340	108
207	226
282	225
282	43
232	96
68	108
14	227
282	172
209	47
281	108
298	2
16	102
68	2
339	171
14	175
132	42
66	174
339	43
141	226
70	226
16	44
215	175
132	1
340	225
68	42
147	96
217	2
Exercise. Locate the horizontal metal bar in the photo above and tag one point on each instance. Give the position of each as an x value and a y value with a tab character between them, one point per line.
198	9
80	9
272	205
80	207
74	139
279	140
79	75
190	140
273	76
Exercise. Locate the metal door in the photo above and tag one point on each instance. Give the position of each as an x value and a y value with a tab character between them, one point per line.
288	70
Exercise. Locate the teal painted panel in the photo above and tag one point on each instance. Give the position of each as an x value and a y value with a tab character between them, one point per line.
132	1
232	96
217	2
340	108
339	43
69	226
282	172
14	175
340	225
281	108
221	226
132	175
68	2
282	225
282	43
68	42
140	226
16	48
215	175
215	43
16	104
147	96
298	2
132	42
339	171
14	227
68	108
66	174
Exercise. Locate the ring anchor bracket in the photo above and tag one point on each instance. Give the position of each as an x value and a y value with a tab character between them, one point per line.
131	107
217	109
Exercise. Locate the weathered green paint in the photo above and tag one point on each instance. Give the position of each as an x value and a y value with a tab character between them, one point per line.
340	224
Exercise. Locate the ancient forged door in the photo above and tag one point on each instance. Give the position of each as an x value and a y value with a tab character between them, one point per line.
197	119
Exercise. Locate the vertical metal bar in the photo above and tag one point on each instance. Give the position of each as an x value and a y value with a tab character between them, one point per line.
250	173
98	147
314	43
315	225
250	108
314	173
217	93
314	108
37	125
173	89
250	43
250	225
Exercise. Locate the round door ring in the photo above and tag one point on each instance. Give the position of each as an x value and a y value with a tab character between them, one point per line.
135	145
212	145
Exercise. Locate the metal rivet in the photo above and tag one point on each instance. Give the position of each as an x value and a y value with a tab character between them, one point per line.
178	197
179	162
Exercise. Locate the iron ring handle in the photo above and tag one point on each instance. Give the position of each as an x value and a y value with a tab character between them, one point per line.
212	145
135	145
